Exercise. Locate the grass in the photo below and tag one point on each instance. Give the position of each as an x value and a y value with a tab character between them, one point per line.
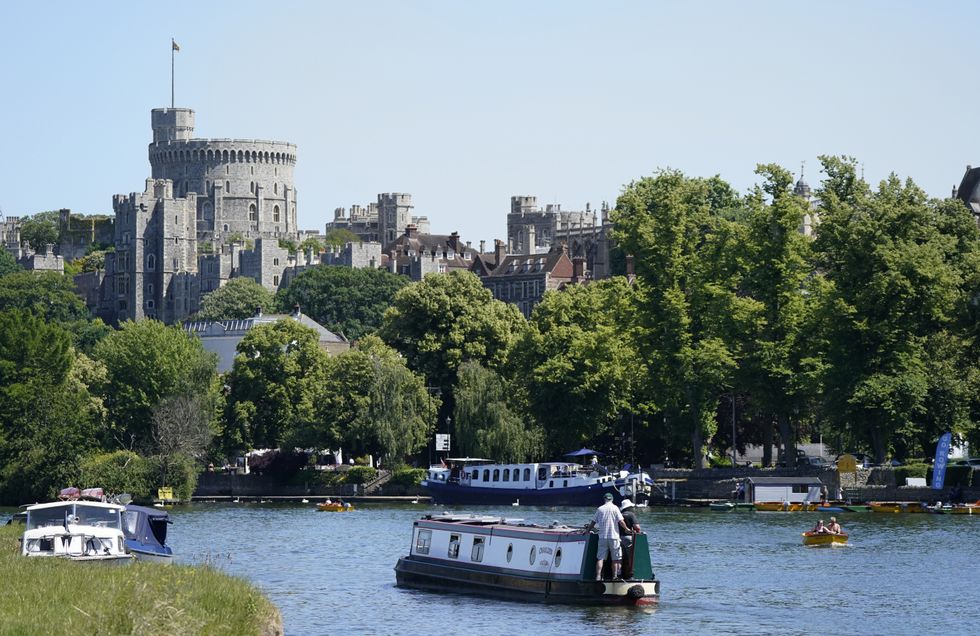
57	597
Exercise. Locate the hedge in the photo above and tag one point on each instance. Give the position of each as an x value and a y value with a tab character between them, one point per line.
909	470
955	476
360	474
407	477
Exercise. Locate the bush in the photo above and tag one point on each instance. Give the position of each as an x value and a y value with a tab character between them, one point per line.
118	472
955	476
181	475
407	477
360	474
909	470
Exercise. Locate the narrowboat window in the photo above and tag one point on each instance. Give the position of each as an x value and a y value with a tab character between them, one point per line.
454	546
527	474
496	474
565	483
542	472
510	552
802	488
558	557
477	554
506	474
423	541
486	475
534	553
551	484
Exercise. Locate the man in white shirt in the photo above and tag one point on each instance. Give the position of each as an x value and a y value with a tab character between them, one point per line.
608	519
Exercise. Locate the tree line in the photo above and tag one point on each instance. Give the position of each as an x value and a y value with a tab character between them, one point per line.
864	334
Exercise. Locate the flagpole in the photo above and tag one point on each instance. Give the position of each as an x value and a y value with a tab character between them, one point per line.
171	72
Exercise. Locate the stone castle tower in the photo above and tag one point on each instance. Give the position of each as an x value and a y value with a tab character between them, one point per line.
244	186
394	215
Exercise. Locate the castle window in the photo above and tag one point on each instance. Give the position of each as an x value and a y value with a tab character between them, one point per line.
275	214
149	304
252	214
275	188
225	227
275	261
227	170
251	187
151	262
275	281
227	187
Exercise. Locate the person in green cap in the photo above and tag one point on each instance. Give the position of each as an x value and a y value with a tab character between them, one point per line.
608	519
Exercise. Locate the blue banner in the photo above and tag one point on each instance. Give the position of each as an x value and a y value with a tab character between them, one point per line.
939	466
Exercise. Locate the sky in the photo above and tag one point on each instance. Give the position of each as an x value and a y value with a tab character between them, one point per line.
464	104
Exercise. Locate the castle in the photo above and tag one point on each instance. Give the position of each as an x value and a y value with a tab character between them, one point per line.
211	209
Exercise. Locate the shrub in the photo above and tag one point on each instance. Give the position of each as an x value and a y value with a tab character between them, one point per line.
909	470
407	477
118	472
360	474
177	471
955	476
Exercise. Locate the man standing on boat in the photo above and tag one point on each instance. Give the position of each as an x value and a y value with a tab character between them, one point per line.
629	518
608	519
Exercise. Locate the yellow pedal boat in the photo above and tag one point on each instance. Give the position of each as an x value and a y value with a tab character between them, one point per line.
784	506
334	507
824	539
897	506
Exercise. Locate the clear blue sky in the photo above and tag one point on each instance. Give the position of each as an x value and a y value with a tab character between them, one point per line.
464	104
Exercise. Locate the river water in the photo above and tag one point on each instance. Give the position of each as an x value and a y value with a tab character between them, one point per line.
732	573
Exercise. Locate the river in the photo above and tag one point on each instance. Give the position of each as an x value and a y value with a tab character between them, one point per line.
732	573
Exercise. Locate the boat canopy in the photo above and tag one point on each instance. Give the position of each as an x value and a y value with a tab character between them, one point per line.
583	452
146	525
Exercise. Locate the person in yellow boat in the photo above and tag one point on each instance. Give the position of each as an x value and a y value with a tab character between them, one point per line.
820	528
834	527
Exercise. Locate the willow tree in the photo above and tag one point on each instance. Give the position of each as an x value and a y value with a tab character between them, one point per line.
684	250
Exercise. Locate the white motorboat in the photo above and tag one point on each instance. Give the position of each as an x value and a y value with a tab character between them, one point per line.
75	530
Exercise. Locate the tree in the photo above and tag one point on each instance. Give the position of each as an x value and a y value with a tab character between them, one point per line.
894	288
181	429
237	299
40	229
8	264
445	320
342	299
575	362
485	425
338	237
311	243
147	363
684	251
271	387
48	419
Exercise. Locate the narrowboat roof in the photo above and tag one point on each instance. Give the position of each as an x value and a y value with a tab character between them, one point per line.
488	521
779	481
75	502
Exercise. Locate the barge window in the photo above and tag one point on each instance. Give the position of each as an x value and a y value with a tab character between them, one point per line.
551	484
496	474
542	473
534	553
477	554
510	552
506	474
486	475
558	557
802	488
423	541
454	546
565	483
527	474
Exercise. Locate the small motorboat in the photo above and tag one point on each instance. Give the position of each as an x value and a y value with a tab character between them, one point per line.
75	530
145	530
897	506
334	506
785	506
824	539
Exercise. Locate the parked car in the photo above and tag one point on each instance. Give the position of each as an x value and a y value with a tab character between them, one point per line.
812	460
971	461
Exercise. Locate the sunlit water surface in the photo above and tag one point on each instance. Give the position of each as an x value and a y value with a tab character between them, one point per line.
724	573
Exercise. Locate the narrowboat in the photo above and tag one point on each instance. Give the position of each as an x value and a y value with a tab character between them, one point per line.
145	532
469	481
75	530
514	560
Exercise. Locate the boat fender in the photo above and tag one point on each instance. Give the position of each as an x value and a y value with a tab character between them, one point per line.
635	592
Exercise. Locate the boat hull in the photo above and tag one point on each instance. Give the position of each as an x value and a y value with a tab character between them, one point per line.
437	577
149	555
455	494
824	540
334	508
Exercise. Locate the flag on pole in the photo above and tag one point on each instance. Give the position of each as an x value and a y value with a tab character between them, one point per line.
174	43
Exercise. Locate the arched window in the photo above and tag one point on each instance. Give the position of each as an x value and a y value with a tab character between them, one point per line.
506	474
240	157
151	262
251	187
227	187
275	188
252	213
527	474
149	290
225	156
275	214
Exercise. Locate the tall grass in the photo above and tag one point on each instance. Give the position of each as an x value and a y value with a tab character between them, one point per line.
58	597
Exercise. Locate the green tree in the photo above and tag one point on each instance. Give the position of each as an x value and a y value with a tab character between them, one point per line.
48	419
575	362
445	320
311	243
485	424
342	299
338	237
237	299
685	253
8	264
271	387
40	229
147	363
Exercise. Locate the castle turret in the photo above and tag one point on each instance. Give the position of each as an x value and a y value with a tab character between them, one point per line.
172	124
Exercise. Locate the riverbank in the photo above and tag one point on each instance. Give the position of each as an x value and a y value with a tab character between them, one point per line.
57	597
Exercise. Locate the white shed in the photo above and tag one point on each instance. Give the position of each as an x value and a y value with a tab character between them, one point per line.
788	489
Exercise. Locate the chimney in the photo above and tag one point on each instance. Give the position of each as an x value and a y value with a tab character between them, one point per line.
483	245
578	269
629	266
411	230
454	241
499	253
530	243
